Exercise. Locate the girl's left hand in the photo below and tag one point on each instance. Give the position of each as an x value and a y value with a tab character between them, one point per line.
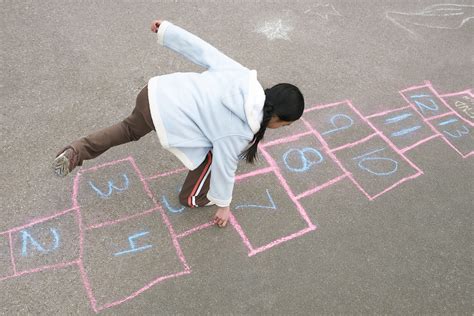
155	25
222	216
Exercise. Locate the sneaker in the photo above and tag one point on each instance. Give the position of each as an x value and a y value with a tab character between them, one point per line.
65	162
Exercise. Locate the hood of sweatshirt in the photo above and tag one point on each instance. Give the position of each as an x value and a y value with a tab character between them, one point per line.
248	105
254	102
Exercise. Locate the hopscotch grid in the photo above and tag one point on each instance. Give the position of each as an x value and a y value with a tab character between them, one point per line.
12	256
334	158
122	219
159	175
42	268
195	229
385	138
233	221
273	168
413	176
87	286
38	220
323	106
287	188
436	94
285	140
165	219
431	125
107	164
163	216
320	187
440	116
80	263
253	173
281	240
141	290
360	141
453	94
419	143
388	111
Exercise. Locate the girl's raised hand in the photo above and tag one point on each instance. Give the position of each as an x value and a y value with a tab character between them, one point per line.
155	25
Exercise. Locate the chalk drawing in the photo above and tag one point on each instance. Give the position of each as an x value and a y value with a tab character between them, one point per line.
275	30
366	157
28	239
111	187
438	16
307	164
468	109
336	127
272	206
137	241
464	151
133	248
324	11
405	131
397	118
457	133
171	209
423	106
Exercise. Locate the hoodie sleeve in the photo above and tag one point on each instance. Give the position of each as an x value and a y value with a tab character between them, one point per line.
193	48
225	152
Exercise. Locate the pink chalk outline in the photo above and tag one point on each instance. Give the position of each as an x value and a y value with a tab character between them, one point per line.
166	174
400	109
60	265
398	151
436	94
273	168
427	121
388	111
174	238
323	106
453	94
377	132
195	229
320	187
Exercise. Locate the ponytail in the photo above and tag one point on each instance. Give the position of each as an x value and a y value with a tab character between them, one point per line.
251	153
283	100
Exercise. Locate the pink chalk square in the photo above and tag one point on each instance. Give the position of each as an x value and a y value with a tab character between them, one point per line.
6	266
265	215
104	192
338	124
166	189
426	101
376	167
403	127
456	132
463	104
304	163
123	259
47	243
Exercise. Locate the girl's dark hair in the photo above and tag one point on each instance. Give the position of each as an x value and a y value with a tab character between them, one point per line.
283	100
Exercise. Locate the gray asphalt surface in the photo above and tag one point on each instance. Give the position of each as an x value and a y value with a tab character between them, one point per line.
72	67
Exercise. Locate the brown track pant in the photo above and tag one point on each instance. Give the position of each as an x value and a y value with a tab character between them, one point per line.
136	125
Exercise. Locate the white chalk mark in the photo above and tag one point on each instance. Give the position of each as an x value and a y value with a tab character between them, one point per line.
437	16
325	10
275	30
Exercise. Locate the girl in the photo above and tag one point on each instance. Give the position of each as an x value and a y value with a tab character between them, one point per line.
208	120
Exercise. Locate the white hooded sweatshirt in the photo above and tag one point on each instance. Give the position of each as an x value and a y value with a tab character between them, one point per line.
219	109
